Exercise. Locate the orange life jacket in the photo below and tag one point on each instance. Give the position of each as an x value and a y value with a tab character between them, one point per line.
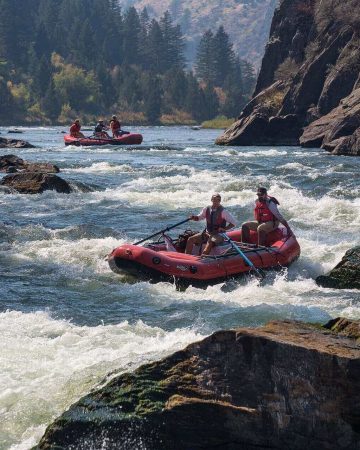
262	212
214	220
115	125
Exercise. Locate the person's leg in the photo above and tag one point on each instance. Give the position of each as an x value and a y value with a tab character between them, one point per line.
213	240
264	229
245	230
196	239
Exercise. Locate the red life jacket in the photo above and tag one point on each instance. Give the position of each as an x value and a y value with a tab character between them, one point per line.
75	128
262	212
214	220
115	125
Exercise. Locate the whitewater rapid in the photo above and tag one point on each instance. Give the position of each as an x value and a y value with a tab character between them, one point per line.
67	321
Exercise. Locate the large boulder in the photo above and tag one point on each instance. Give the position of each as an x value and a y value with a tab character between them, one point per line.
342	122
257	129
12	163
346	274
14	143
286	385
35	183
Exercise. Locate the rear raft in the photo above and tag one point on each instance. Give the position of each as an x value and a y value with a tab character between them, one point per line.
125	139
154	262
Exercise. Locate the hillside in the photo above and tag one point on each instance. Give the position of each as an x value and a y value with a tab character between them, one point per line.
246	21
308	89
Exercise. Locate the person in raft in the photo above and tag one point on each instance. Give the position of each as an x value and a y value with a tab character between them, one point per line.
267	218
75	129
115	126
100	130
218	220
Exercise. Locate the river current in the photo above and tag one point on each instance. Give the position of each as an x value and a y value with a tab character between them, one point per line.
67	321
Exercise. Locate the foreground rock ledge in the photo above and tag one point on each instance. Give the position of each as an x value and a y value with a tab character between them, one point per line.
286	386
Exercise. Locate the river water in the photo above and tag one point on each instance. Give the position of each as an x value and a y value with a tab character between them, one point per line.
66	320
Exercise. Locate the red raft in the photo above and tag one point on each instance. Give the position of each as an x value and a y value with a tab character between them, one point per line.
155	262
125	139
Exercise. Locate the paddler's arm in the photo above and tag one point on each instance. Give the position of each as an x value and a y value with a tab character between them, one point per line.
274	209
198	217
231	222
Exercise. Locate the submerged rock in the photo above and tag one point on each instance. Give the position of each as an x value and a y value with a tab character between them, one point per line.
12	164
35	183
285	385
14	143
346	275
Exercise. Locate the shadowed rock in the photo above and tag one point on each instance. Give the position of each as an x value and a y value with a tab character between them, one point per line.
14	143
346	275
35	183
12	163
286	385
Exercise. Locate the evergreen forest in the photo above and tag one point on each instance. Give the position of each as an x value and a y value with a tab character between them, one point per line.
88	58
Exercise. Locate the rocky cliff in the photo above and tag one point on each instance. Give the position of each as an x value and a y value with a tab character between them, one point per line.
308	89
285	385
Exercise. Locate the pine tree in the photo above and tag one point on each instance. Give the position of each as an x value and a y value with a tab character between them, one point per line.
194	102
205	58
155	48
224	56
152	106
41	76
248	77
132	30
173	43
211	109
175	88
50	103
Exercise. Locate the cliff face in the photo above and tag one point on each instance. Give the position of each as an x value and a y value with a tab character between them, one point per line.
286	385
310	69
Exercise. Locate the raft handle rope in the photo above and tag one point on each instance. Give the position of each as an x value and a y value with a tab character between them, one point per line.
258	272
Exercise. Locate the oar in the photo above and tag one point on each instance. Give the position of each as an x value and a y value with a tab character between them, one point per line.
260	273
162	231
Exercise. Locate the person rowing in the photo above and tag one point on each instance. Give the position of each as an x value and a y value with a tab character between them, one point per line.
218	220
267	218
100	130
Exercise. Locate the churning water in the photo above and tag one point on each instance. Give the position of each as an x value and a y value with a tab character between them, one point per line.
67	321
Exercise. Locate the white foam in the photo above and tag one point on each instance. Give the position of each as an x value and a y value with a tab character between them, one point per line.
47	364
103	167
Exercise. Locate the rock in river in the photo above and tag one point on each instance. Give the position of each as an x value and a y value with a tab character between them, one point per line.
12	163
346	275
286	385
14	143
35	183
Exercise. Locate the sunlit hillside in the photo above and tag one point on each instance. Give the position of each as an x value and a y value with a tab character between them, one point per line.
246	21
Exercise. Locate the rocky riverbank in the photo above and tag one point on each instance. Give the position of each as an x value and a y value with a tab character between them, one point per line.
285	385
308	89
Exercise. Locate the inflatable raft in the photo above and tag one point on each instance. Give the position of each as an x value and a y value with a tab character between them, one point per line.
157	262
125	139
